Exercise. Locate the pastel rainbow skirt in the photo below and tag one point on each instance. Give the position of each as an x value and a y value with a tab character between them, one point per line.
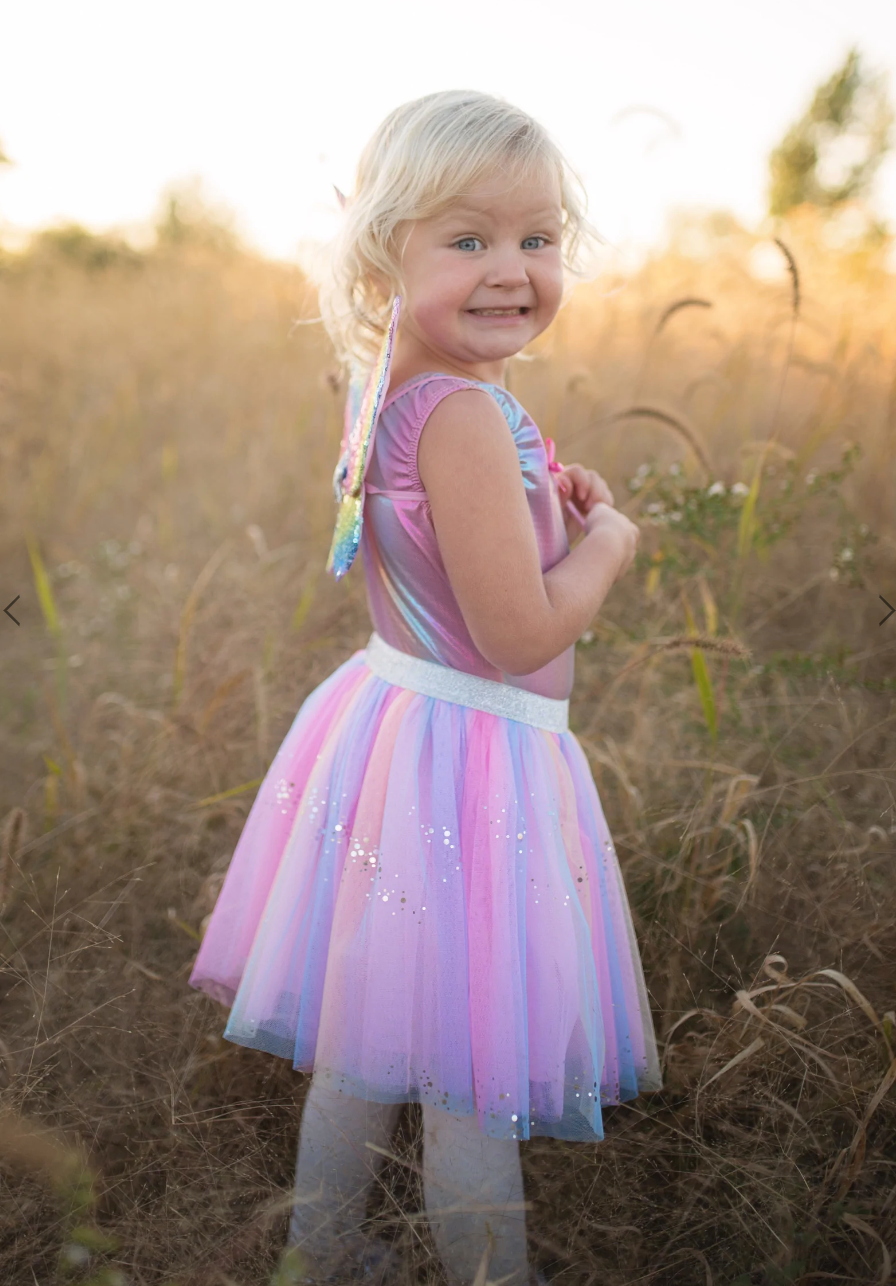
425	905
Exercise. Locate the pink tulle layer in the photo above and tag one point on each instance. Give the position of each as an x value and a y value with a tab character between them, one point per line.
425	905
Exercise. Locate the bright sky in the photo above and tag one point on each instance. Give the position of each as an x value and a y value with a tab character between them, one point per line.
104	102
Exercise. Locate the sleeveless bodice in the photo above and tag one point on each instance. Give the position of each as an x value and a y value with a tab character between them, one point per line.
410	599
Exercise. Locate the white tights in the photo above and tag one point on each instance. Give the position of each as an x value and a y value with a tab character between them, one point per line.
469	1179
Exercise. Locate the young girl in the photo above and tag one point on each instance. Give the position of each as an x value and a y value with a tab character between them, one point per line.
425	904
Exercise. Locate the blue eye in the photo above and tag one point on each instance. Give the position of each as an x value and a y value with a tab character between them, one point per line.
465	241
533	239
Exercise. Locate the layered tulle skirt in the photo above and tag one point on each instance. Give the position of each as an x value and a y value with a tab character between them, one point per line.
425	905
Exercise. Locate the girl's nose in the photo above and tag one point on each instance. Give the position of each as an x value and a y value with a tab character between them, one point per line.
507	268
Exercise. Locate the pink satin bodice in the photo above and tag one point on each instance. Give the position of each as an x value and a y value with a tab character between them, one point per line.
411	603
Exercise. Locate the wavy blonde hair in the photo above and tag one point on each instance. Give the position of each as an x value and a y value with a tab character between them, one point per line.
423	156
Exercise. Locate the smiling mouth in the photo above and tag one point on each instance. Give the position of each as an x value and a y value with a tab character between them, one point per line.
498	312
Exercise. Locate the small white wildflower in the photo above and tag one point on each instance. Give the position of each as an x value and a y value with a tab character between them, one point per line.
675	516
675	469
642	470
846	555
588	636
740	489
810	477
75	1255
717	489
655	508
834	573
863	530
634	484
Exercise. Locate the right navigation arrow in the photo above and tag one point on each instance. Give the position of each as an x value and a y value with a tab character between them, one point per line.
891	611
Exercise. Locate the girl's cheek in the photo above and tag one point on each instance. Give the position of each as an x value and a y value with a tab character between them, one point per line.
431	318
550	281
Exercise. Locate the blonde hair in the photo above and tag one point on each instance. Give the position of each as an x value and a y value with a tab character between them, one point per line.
423	156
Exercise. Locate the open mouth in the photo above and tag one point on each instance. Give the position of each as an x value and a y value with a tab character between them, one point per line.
498	312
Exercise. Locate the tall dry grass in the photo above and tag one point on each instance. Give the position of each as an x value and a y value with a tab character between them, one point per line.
167	439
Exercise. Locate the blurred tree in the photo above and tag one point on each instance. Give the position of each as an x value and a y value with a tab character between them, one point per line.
4	160
831	154
77	245
186	215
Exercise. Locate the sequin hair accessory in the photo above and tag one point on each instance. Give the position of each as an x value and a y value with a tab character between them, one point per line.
362	408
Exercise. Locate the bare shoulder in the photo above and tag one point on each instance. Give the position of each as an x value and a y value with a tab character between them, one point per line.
468	463
465	424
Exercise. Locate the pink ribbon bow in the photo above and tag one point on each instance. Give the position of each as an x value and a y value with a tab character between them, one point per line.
554	466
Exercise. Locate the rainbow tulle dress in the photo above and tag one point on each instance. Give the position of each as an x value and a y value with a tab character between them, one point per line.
425	904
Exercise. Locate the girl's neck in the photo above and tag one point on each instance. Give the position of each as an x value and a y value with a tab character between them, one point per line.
411	359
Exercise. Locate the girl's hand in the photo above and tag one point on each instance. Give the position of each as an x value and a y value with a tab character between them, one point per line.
619	531
584	488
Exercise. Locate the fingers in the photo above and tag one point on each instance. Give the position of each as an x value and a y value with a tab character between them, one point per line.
575	483
584	487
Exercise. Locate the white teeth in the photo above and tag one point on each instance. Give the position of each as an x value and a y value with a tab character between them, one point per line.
496	312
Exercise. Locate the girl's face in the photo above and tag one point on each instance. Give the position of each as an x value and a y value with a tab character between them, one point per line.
482	278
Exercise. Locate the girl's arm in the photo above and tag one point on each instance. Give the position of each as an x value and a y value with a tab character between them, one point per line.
518	617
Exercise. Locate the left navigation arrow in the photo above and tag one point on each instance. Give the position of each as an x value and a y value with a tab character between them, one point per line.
6	610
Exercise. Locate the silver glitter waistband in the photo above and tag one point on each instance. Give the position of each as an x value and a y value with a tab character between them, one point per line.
442	681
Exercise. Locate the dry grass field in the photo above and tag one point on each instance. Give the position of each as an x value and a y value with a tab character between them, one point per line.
167	440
